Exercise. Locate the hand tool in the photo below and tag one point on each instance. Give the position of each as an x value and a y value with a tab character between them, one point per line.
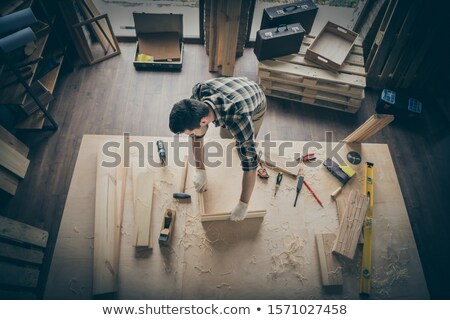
354	157
307	158
366	262
180	195
277	185
299	188
262	172
342	172
161	151
313	193
167	226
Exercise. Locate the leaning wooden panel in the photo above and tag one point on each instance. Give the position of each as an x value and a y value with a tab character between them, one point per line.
330	267
226	216
12	141
8	181
21	232
107	214
351	225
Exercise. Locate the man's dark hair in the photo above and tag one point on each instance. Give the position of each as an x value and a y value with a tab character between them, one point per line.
186	115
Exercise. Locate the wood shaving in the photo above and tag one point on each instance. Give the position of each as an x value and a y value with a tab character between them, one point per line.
75	229
223	285
201	271
253	260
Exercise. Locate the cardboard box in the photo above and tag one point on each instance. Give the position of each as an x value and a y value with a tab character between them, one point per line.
160	41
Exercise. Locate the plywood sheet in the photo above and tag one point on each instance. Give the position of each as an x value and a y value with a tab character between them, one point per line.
270	258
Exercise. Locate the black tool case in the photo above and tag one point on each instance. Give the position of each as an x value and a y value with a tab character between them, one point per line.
303	12
279	41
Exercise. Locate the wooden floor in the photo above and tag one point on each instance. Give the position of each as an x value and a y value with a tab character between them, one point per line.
112	98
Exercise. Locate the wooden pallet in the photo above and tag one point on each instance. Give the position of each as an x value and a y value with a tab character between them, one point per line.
294	78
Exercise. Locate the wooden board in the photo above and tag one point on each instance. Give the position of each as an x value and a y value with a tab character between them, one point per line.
270	258
12	141
13	275
351	225
21	232
108	214
142	200
13	160
8	181
330	268
372	125
25	254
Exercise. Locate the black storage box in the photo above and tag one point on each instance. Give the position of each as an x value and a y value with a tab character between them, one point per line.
303	12
398	103
160	41
279	41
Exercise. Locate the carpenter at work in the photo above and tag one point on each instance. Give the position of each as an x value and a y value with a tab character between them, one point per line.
238	106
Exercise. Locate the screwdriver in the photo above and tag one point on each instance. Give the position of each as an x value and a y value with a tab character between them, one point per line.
277	185
299	188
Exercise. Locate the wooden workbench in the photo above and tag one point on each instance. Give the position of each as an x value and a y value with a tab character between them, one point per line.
271	258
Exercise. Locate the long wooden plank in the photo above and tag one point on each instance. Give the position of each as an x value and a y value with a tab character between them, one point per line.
374	124
21	232
13	142
11	251
18	276
312	72
226	216
142	200
8	181
107	224
330	267
350	227
230	34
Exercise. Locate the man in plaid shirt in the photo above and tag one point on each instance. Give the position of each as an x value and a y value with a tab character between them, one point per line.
238	106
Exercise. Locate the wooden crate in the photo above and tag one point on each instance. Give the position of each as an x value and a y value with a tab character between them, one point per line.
295	78
331	46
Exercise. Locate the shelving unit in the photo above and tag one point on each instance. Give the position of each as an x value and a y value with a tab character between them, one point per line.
47	46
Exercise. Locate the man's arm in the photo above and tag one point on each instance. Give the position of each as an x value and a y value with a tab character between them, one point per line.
248	183
197	147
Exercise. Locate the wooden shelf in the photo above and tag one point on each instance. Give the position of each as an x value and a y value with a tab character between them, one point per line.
15	94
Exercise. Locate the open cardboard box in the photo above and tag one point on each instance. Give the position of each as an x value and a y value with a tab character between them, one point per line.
160	38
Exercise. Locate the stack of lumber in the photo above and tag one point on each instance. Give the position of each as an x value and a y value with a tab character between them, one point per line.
374	124
21	255
13	161
292	77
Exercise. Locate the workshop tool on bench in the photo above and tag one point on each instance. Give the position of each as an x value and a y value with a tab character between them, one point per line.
262	172
299	188
306	158
354	157
342	172
181	196
161	151
313	193
277	184
366	262
167	226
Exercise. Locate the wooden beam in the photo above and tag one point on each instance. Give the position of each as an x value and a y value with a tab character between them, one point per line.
226	216
330	268
13	275
351	225
23	233
142	200
13	160
13	142
231	33
374	124
108	216
11	251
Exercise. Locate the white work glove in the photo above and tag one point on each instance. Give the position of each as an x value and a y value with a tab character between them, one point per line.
200	180
239	212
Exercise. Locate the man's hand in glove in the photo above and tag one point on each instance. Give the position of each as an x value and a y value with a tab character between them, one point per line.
239	212
199	180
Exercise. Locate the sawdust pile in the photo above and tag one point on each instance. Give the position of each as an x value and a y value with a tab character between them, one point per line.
291	260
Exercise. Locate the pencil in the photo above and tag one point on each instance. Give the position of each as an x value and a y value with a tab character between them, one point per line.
315	196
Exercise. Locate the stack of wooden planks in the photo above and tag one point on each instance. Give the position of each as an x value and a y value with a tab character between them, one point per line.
21	254
374	124
13	161
294	78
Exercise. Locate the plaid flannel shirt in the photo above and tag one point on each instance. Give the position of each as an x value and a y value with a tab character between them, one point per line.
234	101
